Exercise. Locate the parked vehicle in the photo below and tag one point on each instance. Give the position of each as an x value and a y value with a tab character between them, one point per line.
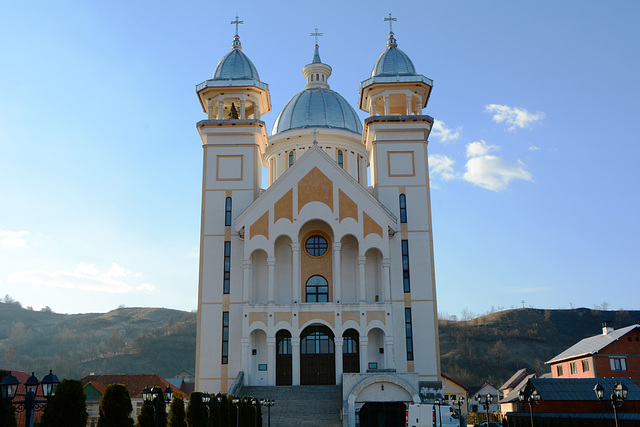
427	415
491	424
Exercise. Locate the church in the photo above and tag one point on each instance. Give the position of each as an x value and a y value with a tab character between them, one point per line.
321	278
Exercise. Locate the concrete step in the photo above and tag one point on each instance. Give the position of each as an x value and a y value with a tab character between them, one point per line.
300	405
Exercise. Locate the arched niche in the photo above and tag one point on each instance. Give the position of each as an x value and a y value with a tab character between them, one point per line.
259	344
283	271
258	288
373	276
376	342
349	269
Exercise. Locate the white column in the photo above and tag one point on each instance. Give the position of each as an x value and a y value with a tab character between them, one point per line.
361	288
220	110
408	105
373	108
271	360
386	105
338	353
295	271
246	355
386	287
295	360
271	263
242	109
388	353
246	279
363	350
210	111
337	284
256	111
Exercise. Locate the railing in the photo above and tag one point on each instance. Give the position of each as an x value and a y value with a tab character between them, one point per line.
237	384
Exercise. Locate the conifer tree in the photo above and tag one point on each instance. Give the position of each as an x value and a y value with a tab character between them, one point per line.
177	416
115	407
67	408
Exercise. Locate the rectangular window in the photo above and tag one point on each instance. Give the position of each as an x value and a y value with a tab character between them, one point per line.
559	370
227	212
585	366
618	363
409	331
405	266
573	366
225	337
226	277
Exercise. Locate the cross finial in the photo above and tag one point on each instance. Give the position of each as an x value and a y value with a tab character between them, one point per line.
237	22
316	34
390	19
315	132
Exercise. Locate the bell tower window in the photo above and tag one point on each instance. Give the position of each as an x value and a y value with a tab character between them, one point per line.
290	158
340	159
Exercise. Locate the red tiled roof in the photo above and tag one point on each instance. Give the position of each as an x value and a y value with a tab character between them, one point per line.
135	383
98	386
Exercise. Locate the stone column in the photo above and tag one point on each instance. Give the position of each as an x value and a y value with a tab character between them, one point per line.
388	353
295	271
408	105
256	112
220	110
338	341
386	105
271	360
271	263
242	109
386	286
373	108
363	351
295	360
337	275
246	355
361	286
246	280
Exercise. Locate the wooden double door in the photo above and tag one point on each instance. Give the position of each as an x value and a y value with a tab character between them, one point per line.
317	356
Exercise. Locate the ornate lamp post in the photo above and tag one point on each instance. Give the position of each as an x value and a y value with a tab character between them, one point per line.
152	396
9	387
459	402
529	397
487	401
617	398
268	403
438	402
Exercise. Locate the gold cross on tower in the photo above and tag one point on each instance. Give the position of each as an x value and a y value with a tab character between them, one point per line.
240	22
390	19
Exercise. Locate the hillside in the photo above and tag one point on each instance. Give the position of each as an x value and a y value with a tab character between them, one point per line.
157	340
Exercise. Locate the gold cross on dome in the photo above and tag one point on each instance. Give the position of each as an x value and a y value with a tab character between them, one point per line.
316	34
237	22
390	19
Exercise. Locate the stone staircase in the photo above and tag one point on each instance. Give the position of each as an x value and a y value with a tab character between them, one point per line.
308	406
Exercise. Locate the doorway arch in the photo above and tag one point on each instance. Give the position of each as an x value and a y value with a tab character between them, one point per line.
283	358
317	356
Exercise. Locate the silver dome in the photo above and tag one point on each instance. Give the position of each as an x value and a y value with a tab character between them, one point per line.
235	65
317	107
393	62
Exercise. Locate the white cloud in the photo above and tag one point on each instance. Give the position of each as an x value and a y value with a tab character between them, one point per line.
13	239
443	133
515	117
533	148
85	277
489	171
442	165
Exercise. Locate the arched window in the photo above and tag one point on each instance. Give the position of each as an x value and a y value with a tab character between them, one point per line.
291	158
227	211
311	77
403	208
317	289
340	159
317	77
323	77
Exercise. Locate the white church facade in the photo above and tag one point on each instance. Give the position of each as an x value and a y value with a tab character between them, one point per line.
320	278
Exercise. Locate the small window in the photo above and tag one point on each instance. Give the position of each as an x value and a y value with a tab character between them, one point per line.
317	289
573	366
403	208
290	158
316	245
585	366
559	370
311	77
409	332
226	276
405	266
225	337
618	363
227	212
317	77
340	159
323	77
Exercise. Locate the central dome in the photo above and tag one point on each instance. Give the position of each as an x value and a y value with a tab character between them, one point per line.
317	107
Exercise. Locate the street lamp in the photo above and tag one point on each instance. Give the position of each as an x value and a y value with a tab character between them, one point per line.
155	397
459	402
529	397
438	402
617	398
9	387
487	401
268	403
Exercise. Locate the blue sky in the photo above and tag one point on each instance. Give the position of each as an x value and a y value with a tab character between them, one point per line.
534	158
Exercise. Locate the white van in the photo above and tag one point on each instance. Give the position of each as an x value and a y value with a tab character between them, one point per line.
426	415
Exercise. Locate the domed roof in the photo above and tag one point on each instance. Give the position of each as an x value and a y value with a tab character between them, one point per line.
317	107
235	65
393	62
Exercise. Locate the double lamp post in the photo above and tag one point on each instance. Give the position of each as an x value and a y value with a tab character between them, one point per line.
30	403
155	397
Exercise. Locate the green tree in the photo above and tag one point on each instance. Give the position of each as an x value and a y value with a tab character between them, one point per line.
68	408
197	415
115	407
177	416
147	414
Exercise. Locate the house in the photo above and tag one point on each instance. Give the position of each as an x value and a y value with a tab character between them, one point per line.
476	405
452	391
511	389
613	353
574	398
94	386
